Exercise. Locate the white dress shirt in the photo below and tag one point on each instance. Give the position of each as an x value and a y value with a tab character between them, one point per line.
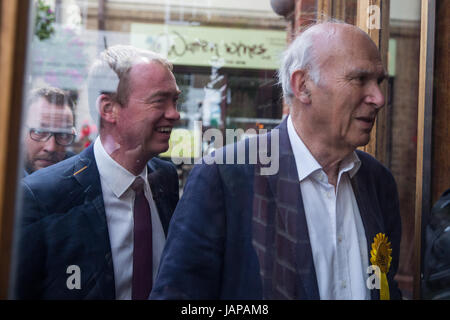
335	228
119	202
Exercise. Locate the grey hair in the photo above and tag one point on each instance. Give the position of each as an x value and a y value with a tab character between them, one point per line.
54	96
300	55
109	74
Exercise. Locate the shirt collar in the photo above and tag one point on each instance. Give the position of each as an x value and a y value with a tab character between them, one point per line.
304	160
351	163
113	174
307	164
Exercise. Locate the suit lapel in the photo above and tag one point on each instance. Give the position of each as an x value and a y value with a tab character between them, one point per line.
367	205
90	192
157	184
286	190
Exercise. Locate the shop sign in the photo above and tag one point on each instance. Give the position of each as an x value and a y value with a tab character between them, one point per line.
211	46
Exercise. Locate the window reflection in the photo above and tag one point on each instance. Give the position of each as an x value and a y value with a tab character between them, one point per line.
225	54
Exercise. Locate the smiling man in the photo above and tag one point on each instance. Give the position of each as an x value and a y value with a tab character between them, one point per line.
320	226
94	226
50	128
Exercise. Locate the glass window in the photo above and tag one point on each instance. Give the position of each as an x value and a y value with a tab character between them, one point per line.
224	56
403	69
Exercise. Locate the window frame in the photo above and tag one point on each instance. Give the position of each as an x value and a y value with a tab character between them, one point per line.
13	46
15	31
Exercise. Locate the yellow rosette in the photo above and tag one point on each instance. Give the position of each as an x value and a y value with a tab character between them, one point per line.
381	257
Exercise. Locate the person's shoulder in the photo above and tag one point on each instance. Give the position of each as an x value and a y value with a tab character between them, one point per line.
69	154
373	167
369	161
160	164
60	169
54	178
230	164
58	188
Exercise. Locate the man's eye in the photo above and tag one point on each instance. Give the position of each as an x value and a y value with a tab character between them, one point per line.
39	132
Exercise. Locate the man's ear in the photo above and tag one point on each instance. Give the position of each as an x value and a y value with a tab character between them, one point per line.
107	108
299	85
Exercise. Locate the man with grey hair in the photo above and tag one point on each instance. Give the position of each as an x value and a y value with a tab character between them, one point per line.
327	225
94	226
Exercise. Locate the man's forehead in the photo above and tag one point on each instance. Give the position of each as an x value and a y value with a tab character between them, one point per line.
354	59
43	105
153	75
48	115
148	66
331	39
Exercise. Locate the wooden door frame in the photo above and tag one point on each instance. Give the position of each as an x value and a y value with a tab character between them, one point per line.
13	36
379	135
379	143
424	136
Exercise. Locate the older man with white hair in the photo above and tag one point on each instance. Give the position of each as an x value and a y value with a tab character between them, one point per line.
327	224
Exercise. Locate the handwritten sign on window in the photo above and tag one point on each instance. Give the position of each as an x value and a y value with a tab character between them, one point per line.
212	46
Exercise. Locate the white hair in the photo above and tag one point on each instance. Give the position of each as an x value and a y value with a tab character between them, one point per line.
300	55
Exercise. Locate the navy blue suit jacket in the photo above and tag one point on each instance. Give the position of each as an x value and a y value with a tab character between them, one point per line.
236	234
63	223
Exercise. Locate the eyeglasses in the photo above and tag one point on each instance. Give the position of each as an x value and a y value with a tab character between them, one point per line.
61	138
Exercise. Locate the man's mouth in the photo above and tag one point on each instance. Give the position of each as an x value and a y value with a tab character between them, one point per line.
366	119
166	130
46	162
366	122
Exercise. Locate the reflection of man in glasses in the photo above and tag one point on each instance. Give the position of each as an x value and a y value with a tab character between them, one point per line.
50	128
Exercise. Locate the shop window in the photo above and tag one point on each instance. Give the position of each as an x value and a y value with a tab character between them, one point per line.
225	55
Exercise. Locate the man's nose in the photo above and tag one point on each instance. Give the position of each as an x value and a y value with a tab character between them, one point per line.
51	145
375	96
172	113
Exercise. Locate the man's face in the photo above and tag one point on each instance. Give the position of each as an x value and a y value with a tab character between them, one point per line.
45	116
348	97
146	121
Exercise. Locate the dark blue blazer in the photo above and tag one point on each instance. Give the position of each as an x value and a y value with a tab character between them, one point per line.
62	222
236	234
